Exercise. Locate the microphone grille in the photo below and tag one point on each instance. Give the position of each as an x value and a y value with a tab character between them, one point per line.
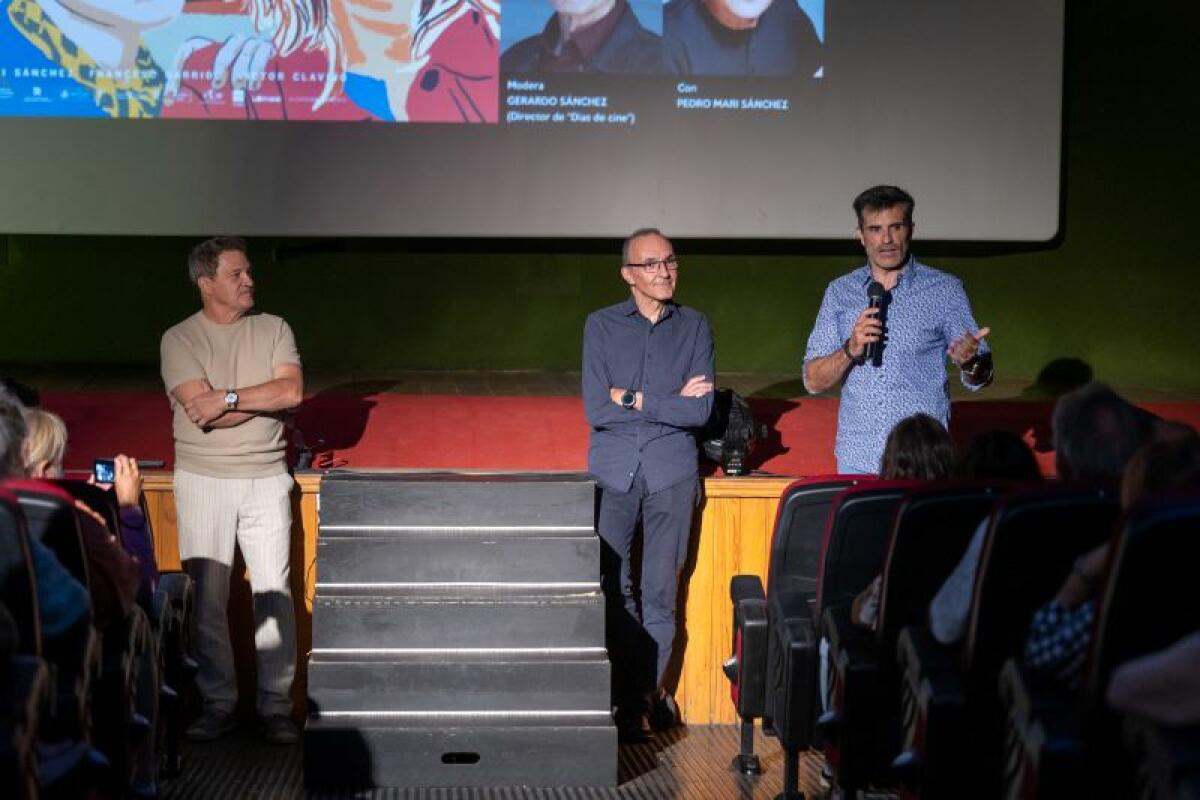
875	290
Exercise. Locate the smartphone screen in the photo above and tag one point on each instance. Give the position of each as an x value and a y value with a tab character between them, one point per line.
104	471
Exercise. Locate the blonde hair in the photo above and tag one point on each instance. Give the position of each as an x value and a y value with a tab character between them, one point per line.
45	440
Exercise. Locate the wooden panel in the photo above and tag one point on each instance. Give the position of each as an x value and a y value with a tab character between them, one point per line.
731	536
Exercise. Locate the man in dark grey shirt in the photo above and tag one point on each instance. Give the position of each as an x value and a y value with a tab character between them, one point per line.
647	384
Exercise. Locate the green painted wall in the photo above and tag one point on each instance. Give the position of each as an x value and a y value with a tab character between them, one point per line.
1112	291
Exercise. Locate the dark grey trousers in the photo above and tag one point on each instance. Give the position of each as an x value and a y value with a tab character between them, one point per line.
641	634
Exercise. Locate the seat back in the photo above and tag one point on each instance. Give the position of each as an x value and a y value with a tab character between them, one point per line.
930	532
51	518
18	581
855	540
1033	538
1150	599
102	501
799	530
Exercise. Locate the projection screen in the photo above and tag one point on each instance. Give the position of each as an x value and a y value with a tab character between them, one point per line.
528	118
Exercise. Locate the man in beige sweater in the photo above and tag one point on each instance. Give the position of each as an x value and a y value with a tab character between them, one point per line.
231	374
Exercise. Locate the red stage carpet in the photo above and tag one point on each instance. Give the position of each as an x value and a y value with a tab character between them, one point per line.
504	433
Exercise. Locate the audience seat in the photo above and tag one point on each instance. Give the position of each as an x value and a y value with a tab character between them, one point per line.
107	702
792	569
51	519
949	696
25	687
1059	744
1166	759
851	554
929	533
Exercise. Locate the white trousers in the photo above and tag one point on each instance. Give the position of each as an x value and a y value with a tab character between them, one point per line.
213	515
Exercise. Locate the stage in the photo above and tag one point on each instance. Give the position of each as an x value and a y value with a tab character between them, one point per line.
511	420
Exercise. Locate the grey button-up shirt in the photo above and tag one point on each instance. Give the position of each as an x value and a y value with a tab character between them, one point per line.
621	348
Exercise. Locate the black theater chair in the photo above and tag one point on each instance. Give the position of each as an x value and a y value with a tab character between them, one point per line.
1061	745
792	568
109	695
169	611
952	720
51	519
25	688
48	679
851	554
1166	759
929	533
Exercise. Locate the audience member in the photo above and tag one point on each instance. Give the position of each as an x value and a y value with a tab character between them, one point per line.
998	455
110	566
45	447
918	448
1163	686
26	395
995	455
1095	432
62	600
1062	629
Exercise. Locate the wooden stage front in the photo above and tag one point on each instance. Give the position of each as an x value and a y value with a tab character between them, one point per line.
731	536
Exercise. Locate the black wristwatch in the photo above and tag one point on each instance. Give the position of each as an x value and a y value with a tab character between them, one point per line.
853	358
628	399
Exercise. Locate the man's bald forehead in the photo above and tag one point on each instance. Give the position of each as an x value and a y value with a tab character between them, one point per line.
639	236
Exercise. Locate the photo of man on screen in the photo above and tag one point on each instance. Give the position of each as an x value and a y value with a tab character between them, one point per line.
739	37
599	36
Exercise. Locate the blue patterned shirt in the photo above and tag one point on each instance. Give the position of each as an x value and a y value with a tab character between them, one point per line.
925	311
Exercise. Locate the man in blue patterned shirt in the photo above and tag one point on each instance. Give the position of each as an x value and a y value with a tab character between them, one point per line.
924	319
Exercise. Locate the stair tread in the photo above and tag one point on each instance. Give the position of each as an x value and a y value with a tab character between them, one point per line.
482	592
451	656
460	720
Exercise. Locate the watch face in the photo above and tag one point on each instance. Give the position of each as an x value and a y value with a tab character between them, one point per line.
628	399
231	398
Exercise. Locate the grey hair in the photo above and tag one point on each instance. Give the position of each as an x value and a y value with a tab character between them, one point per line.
639	233
202	261
1096	432
12	435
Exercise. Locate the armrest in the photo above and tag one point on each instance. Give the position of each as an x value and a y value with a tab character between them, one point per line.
843	634
1167	759
746	668
1043	739
26	693
933	706
853	689
74	658
792	700
746	587
918	653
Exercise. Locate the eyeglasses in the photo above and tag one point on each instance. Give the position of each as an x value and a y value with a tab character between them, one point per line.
651	267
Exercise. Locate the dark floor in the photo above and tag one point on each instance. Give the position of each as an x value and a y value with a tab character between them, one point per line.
691	763
97	378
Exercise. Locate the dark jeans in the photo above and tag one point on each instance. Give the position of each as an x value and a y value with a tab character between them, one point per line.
640	643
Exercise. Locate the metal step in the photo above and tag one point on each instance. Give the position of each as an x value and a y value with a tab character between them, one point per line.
365	502
446	751
457	617
460	682
472	556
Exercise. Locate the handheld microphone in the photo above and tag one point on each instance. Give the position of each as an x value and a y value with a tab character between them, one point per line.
875	294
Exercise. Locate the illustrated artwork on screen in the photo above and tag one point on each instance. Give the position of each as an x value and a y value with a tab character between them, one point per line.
347	60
